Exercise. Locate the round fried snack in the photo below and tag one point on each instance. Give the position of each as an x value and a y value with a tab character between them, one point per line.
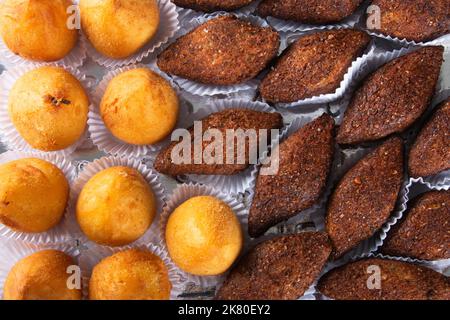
204	236
41	276
130	275
119	28
49	108
140	107
116	206
38	30
33	195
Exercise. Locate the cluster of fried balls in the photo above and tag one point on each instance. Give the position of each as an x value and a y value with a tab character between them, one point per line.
48	107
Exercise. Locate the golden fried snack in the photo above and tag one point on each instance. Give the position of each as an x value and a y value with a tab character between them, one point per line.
416	20
130	275
116	206
37	30
119	28
139	107
49	108
41	276
33	195
222	51
315	64
309	11
212	5
204	236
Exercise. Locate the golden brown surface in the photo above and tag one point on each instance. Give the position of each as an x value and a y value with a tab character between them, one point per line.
278	269
365	197
41	276
222	51
203	236
49	108
309	11
212	5
244	119
430	153
119	28
33	195
315	64
130	275
305	162
424	232
417	20
399	281
37	30
116	206
393	97
140	107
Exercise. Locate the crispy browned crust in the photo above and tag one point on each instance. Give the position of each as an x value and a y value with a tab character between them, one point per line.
425	231
278	269
416	20
309	11
212	5
365	197
228	119
393	97
305	162
399	281
222	51
315	64
430	153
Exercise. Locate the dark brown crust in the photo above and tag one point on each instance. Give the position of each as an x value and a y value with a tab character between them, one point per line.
309	11
425	231
365	197
399	281
228	119
393	97
212	5
305	162
222	51
416	20
315	64
279	269
430	153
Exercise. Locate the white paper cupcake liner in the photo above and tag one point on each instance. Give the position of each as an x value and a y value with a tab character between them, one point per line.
442	40
12	251
212	90
228	184
183	193
348	81
74	59
57	234
168	26
9	134
105	140
292	26
92	168
92	254
335	264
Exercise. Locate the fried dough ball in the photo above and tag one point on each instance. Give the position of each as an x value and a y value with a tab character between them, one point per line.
116	206
37	29
204	236
130	275
33	195
41	276
140	107
119	28
49	108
